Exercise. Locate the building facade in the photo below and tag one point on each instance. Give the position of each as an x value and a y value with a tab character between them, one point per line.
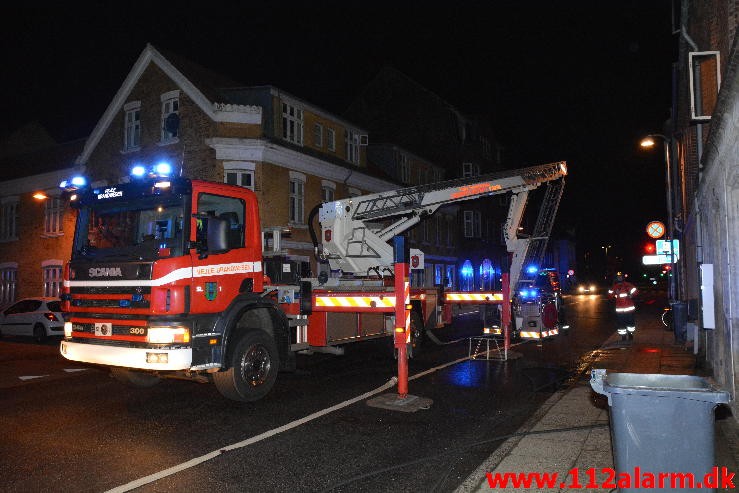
704	141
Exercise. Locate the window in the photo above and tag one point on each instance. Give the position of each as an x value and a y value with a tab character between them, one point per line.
328	191
53	215
351	139
404	169
170	116
228	209
318	135
292	124
470	169
331	139
297	197
52	278
8	220
449	276
449	230
438	223
8	276
438	274
472	227
132	127
241	178
239	173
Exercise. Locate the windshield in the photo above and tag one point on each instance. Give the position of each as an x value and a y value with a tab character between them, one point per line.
145	230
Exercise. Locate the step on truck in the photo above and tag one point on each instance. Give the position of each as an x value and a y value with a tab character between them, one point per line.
167	277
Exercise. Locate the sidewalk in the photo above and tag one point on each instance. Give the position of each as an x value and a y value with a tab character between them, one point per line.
536	448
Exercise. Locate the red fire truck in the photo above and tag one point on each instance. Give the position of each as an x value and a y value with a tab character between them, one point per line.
168	277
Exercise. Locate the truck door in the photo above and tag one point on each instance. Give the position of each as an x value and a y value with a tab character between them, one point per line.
219	275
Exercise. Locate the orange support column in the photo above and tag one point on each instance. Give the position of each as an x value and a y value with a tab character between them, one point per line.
506	315
402	313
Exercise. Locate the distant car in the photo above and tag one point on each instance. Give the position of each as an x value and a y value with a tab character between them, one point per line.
587	288
36	317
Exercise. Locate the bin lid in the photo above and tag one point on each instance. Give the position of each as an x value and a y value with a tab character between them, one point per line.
659	385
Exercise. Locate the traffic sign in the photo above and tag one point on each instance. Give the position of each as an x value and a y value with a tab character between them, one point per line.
655	229
664	248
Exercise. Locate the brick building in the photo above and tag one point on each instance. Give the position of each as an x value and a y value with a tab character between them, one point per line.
293	154
35	225
704	139
432	137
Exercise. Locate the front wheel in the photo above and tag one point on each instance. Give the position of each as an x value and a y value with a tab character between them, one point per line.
39	333
253	368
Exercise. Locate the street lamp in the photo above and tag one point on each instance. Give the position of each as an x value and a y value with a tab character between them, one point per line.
648	143
606	247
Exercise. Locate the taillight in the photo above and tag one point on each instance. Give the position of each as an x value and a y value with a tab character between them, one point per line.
51	317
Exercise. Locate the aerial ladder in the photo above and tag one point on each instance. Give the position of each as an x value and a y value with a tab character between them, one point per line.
357	231
356	237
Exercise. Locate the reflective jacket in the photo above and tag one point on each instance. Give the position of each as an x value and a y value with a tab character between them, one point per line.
623	293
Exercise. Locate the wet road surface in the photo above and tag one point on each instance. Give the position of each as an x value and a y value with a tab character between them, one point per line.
83	431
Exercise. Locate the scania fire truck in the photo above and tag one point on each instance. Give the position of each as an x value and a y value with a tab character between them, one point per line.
168	276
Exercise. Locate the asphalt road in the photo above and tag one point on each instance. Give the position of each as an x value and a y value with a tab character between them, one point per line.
73	428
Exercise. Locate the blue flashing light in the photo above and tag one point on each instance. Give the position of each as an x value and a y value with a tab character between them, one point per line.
138	171
73	183
467	270
532	269
528	293
163	169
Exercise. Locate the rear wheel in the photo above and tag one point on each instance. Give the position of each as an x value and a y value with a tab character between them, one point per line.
133	378
39	333
254	364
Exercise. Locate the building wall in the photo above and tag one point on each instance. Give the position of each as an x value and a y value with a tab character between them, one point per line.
708	187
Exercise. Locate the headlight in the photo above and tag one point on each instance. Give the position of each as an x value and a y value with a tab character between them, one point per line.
592	288
581	289
67	329
167	335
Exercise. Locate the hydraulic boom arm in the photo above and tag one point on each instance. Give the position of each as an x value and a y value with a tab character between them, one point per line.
356	231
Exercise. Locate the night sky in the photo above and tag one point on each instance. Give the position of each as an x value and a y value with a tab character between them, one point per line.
579	81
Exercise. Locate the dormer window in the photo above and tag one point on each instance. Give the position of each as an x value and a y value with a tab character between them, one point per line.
170	116
292	123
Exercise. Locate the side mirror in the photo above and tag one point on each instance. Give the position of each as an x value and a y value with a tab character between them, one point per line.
211	235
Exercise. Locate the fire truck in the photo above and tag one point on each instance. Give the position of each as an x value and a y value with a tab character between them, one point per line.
168	277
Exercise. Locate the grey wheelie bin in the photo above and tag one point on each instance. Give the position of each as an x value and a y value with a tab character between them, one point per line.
660	424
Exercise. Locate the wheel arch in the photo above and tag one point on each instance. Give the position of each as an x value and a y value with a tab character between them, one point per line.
255	313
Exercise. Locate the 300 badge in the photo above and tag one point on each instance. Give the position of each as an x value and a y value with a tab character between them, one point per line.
137	331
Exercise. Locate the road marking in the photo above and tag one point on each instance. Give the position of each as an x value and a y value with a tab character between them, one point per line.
31	377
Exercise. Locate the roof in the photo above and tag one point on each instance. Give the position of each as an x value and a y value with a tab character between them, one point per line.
40	161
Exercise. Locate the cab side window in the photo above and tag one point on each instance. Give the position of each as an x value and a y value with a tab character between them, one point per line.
228	209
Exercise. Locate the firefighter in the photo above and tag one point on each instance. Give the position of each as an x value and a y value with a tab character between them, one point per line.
623	292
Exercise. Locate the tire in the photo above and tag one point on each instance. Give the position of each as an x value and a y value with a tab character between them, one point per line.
133	378
39	333
253	366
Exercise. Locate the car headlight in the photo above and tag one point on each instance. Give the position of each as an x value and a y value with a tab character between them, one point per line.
167	335
581	289
67	329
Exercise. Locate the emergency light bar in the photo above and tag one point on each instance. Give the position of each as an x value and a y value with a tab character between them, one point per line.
74	183
160	170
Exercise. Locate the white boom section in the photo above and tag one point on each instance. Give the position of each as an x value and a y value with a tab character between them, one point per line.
356	230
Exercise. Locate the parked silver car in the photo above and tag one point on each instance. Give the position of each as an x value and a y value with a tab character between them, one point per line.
37	317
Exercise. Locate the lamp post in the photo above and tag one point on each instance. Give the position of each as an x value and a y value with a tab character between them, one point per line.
648	143
606	247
